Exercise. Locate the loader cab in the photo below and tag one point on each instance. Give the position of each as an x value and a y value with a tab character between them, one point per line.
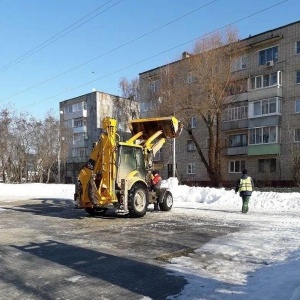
130	158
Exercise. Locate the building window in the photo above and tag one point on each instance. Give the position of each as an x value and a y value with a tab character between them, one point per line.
263	135
147	106
80	106
144	106
298	47
190	145
190	78
193	122
236	166
297	135
79	122
239	63
297	106
266	80
81	152
78	137
265	107
236	113
267	165
238	140
298	77
158	156
68	123
122	126
78	152
191	168
268	54
153	86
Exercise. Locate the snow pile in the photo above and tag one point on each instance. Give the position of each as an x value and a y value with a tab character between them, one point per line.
36	190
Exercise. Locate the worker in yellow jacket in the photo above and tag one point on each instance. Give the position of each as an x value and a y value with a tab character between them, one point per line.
245	187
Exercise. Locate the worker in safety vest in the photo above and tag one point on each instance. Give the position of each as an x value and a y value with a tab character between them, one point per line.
245	187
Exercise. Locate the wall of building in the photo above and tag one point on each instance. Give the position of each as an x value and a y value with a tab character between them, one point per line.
255	157
98	105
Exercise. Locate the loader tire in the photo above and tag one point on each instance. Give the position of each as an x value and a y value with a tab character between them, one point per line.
138	201
92	211
167	202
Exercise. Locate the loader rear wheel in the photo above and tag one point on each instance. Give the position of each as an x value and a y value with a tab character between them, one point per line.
138	201
167	202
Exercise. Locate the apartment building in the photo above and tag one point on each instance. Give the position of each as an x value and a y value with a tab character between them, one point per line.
260	126
81	119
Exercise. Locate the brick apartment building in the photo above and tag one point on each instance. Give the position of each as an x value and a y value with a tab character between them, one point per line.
81	117
260	128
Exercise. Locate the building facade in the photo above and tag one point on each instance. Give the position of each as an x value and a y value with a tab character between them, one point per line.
81	119
261	124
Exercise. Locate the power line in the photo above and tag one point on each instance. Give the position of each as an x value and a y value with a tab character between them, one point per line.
110	51
58	36
155	55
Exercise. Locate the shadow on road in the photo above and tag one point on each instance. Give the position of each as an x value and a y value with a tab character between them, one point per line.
63	208
137	277
52	207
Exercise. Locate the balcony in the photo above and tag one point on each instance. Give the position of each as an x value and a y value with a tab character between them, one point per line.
235	124
80	129
75	114
264	93
80	144
235	117
236	98
266	120
237	151
264	149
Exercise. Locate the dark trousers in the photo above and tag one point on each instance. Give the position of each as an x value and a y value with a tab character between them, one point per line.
245	204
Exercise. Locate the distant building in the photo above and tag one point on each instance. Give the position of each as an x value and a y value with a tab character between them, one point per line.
261	127
81	118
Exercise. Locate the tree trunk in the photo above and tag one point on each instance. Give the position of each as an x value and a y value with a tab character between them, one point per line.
212	170
48	175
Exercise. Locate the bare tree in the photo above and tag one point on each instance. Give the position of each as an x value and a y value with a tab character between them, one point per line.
130	89
50	146
127	107
5	138
22	146
198	85
31	149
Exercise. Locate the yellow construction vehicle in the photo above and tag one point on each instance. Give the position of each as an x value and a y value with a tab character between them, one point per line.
118	174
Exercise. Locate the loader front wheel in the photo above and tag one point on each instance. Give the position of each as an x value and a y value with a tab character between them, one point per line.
138	201
167	202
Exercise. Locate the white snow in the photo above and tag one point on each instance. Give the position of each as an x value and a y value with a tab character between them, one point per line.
261	261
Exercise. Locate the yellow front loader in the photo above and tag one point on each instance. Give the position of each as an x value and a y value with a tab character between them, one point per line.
118	174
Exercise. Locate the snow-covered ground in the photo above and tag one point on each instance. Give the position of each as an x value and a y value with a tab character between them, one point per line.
259	262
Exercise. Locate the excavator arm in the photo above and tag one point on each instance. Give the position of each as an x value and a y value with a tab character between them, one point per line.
153	133
97	177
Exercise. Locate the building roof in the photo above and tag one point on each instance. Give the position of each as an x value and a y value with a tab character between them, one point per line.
245	39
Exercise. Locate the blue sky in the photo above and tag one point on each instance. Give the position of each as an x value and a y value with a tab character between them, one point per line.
55	50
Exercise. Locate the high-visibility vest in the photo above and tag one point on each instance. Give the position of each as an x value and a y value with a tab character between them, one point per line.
245	185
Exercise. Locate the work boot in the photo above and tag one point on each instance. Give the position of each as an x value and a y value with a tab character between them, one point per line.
156	207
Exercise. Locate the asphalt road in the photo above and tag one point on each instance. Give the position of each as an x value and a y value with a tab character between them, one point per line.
49	250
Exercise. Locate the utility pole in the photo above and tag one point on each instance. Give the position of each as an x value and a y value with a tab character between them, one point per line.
58	163
174	159
174	155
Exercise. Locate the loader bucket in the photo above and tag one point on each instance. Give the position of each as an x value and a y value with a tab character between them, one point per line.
169	126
